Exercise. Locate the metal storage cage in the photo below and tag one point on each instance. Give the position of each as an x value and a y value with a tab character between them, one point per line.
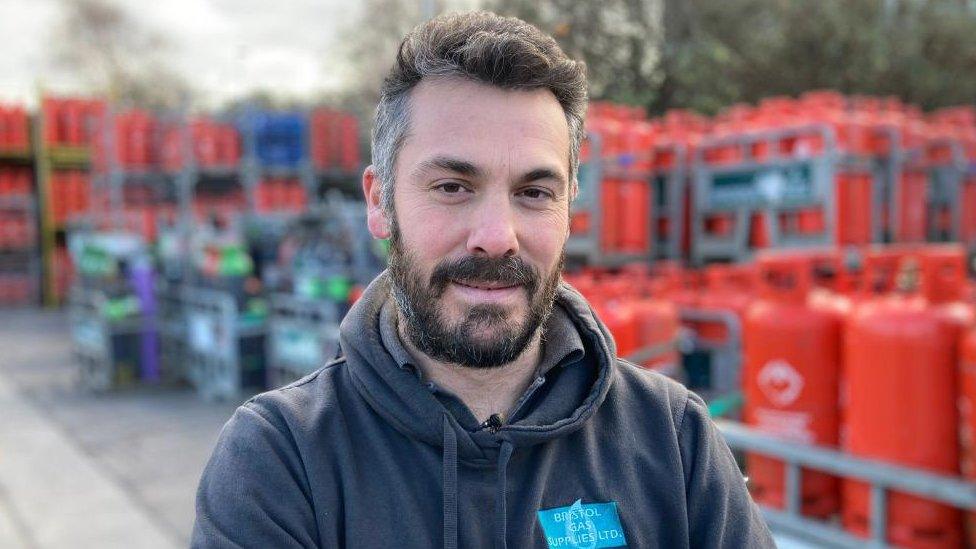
172	328
587	241
326	254
794	199
302	336
112	310
225	347
107	346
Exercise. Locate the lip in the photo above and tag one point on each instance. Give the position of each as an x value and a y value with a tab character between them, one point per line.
487	294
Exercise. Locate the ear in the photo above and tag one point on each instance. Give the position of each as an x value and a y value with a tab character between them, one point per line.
376	220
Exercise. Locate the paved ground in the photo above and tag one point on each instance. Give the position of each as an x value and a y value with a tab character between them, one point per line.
86	470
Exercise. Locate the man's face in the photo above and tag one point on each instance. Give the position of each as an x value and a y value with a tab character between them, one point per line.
481	217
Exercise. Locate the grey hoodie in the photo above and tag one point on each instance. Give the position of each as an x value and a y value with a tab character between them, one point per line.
362	453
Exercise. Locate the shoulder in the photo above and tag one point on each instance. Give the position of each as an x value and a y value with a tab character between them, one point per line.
302	403
272	429
650	394
256	487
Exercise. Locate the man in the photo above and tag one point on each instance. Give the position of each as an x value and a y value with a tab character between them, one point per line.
478	401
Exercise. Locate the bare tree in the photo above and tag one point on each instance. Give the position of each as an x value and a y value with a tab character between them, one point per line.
371	43
114	54
617	39
707	54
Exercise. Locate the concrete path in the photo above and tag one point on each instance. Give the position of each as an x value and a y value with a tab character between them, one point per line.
56	496
83	470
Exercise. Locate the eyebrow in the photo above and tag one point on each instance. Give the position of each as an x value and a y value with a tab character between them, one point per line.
455	165
467	169
541	173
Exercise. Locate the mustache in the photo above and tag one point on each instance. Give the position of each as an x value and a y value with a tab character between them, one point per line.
509	270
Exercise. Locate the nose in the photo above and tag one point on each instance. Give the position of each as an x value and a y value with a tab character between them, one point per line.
492	229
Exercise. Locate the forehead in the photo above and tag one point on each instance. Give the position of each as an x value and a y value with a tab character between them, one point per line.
484	124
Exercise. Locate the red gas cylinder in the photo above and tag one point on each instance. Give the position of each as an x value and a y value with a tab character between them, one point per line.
728	288
584	282
855	206
759	237
791	378
658	326
967	417
910	212
610	210
634	221
618	316
832	283
900	366
967	229
880	266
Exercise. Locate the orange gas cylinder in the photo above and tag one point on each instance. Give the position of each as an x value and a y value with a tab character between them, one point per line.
758	232
855	206
791	378
584	282
880	265
912	200
900	368
658	325
967	412
967	229
720	224
618	316
832	283
687	289
634	228
610	209
728	288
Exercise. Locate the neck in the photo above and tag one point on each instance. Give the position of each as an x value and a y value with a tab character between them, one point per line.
485	391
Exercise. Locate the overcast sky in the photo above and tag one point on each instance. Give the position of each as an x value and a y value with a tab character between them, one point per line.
225	47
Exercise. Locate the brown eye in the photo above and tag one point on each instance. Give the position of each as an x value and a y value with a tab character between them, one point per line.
535	193
451	188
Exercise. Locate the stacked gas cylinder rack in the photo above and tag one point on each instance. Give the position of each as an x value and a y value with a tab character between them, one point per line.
870	362
19	264
219	196
171	237
867	351
819	170
88	165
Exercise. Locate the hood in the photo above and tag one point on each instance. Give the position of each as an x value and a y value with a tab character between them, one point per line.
404	402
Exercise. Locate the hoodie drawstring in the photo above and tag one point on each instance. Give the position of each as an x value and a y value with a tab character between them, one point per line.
450	458
450	473
501	507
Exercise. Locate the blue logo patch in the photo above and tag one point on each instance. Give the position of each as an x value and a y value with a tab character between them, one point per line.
583	525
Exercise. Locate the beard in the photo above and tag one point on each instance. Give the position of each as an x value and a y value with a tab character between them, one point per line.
466	342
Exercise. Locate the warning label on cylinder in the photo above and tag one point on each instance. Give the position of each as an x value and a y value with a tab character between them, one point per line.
780	382
793	426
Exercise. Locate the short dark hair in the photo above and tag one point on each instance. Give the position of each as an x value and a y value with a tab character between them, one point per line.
485	47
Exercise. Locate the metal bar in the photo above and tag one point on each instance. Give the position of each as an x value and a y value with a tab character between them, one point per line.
652	351
814	531
944	489
761	135
879	513
793	475
728	318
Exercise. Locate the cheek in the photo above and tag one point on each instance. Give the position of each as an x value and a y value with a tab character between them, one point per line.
544	237
428	232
